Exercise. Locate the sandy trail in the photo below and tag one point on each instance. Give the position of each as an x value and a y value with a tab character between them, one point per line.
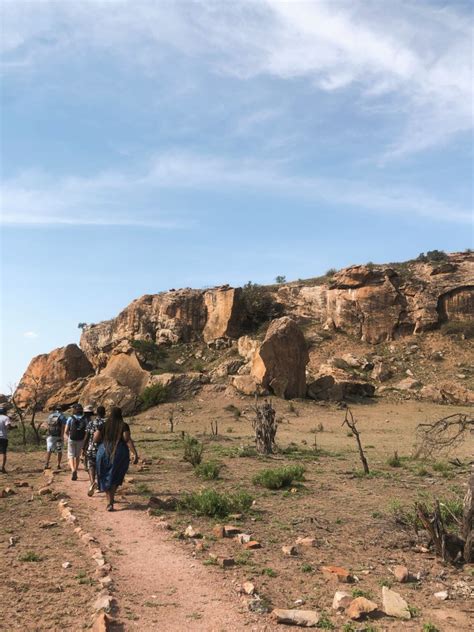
158	585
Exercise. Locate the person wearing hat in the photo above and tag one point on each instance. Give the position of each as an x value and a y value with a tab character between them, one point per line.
75	432
90	447
54	440
5	425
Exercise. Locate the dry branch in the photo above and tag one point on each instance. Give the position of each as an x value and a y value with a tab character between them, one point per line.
443	434
351	423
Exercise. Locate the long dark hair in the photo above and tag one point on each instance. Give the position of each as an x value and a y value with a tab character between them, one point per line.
113	430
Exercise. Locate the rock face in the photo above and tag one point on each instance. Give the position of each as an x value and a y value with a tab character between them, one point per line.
380	303
280	363
50	372
168	318
127	371
224	313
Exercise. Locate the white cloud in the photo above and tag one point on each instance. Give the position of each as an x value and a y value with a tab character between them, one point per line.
414	58
110	198
30	335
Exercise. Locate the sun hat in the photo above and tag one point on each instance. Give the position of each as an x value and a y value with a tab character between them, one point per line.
89	409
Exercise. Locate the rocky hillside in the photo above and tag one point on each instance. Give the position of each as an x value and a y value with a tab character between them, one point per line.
325	338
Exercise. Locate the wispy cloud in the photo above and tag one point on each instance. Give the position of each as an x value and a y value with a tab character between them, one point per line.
111	198
412	58
30	335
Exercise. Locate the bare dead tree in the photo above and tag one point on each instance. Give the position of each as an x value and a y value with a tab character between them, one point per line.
447	545
265	426
351	423
439	436
468	522
214	428
34	404
444	434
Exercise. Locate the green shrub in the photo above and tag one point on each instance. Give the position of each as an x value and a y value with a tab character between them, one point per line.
152	396
259	306
150	352
230	408
279	477
209	502
30	556
394	461
461	328
432	255
209	471
331	272
193	450
246	451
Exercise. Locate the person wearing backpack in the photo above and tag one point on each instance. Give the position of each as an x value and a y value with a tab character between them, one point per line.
54	440
76	432
90	446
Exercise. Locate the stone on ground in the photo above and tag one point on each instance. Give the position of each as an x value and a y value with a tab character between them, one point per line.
303	618
401	574
394	605
341	600
360	607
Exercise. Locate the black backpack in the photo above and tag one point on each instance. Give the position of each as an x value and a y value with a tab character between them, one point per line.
54	425
77	429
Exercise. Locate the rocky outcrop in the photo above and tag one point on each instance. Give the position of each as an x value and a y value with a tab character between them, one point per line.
168	318
48	373
380	303
280	364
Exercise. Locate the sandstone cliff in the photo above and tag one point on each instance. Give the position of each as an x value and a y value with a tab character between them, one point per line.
372	304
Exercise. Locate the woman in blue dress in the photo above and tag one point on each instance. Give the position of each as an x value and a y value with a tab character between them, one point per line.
113	455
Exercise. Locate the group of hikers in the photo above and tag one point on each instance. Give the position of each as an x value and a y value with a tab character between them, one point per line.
102	443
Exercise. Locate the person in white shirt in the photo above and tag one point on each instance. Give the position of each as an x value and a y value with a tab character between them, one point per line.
5	424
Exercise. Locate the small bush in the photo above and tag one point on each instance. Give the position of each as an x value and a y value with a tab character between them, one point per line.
193	450
246	451
279	477
230	408
209	471
209	502
394	461
259	306
430	627
331	272
150	352
152	396
269	572
30	556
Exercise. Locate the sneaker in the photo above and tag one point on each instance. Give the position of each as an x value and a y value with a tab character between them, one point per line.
91	489
74	476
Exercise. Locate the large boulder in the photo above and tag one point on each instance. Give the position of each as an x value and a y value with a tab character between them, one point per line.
224	313
106	391
332	384
448	393
180	385
280	364
49	372
67	395
126	369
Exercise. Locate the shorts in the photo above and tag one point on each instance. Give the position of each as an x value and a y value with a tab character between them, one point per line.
3	446
74	448
54	444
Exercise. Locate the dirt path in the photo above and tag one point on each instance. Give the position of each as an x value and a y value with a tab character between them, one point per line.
157	584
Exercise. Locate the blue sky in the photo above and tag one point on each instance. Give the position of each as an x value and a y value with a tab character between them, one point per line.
149	145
